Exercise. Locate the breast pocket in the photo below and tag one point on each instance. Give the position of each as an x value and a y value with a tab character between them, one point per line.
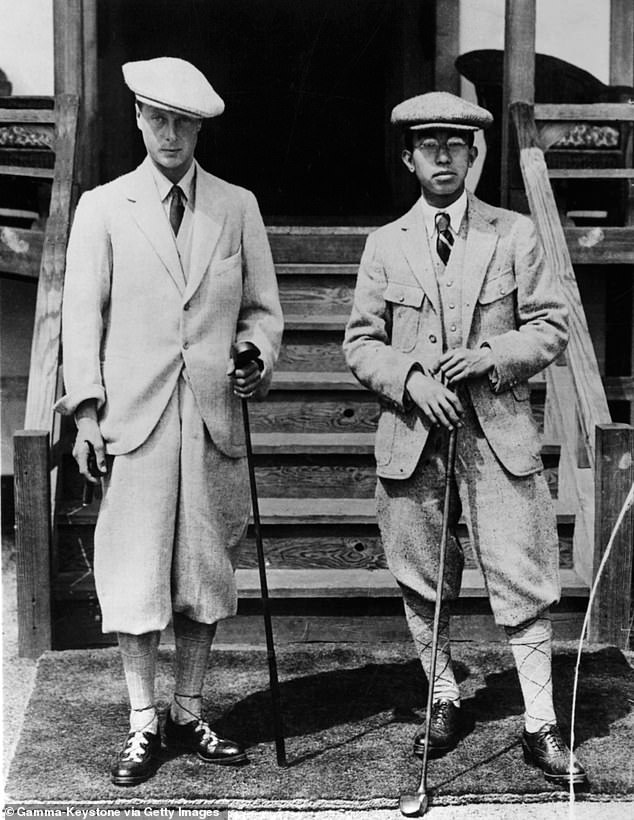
222	266
406	302
497	288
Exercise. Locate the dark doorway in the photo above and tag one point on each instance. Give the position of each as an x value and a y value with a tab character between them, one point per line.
308	87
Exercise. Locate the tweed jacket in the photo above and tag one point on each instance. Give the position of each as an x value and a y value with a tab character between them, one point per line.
510	302
131	321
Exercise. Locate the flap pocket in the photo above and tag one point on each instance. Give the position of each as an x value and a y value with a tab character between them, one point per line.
404	294
223	265
497	288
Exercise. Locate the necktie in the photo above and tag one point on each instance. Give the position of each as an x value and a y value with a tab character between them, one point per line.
177	208
444	240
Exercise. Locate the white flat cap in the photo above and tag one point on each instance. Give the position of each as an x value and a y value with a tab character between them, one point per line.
174	84
439	109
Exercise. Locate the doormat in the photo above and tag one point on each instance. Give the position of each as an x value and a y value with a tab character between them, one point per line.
350	714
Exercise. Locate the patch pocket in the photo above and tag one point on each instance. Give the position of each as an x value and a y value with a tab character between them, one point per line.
497	288
406	301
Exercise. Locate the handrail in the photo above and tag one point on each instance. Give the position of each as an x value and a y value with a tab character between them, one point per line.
590	396
45	347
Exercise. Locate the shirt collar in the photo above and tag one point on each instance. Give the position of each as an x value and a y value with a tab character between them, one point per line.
186	182
456	213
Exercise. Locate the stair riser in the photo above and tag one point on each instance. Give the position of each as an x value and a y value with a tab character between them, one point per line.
312	351
315	411
321	546
316	295
335	248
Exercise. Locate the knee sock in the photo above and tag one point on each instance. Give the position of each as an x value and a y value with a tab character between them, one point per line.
138	653
193	643
531	646
420	619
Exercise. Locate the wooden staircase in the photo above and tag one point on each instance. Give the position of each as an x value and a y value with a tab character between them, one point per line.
313	440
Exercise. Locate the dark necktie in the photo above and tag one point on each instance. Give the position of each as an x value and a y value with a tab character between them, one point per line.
444	240
177	208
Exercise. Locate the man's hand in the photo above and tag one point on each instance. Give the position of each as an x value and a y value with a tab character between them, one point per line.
89	440
246	380
461	363
438	404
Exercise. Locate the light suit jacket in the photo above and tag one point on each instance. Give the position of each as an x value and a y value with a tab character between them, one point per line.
510	301
131	321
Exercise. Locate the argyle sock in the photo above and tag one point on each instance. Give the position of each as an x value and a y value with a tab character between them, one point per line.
531	646
138	653
193	644
420	619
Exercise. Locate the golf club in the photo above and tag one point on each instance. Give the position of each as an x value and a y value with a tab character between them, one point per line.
415	805
242	354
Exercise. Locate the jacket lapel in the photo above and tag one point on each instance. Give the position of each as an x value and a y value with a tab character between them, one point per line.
147	210
416	249
209	217
480	245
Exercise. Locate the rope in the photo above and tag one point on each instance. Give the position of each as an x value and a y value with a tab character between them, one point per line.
586	622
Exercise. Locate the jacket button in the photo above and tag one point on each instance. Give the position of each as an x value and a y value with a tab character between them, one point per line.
185	345
401	298
453	328
433	339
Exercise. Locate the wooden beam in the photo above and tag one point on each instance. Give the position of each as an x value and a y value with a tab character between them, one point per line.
614	476
519	74
446	75
33	541
590	396
90	134
566	112
68	47
46	333
621	42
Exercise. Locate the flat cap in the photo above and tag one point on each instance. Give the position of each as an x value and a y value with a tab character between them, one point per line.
439	109
174	84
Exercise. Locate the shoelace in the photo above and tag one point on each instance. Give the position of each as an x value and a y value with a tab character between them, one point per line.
555	741
209	737
135	747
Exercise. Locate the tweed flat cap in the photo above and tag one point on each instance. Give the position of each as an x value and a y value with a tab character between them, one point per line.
439	109
174	84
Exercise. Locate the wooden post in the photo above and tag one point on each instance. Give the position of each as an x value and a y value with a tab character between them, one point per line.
519	75
446	76
621	42
33	541
614	474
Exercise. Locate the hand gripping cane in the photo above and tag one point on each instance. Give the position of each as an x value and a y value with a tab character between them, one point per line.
243	353
415	805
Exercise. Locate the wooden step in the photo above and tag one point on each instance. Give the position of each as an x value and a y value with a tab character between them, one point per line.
601	246
591	173
311	244
564	112
312	352
304	322
284	269
315	295
21	252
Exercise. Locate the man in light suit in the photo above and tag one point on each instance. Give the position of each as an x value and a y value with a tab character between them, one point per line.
454	310
167	267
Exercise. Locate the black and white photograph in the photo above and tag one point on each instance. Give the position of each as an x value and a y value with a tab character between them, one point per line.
317	409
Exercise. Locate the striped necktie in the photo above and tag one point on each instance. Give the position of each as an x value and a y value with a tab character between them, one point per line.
444	239
177	208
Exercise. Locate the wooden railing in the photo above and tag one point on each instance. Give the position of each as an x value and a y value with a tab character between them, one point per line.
596	461
35	471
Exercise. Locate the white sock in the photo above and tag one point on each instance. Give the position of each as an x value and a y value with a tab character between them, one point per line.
138	654
420	619
531	644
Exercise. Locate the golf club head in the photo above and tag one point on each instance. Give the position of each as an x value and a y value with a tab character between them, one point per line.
413	805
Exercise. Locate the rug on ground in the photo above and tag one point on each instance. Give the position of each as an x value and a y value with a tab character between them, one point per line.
350	714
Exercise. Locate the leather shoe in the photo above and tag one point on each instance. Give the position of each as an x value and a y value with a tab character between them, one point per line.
444	730
136	762
197	736
547	750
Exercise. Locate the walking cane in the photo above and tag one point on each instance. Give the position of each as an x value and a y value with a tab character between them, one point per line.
415	805
243	353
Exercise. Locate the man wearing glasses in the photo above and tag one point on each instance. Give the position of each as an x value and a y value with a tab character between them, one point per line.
454	310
